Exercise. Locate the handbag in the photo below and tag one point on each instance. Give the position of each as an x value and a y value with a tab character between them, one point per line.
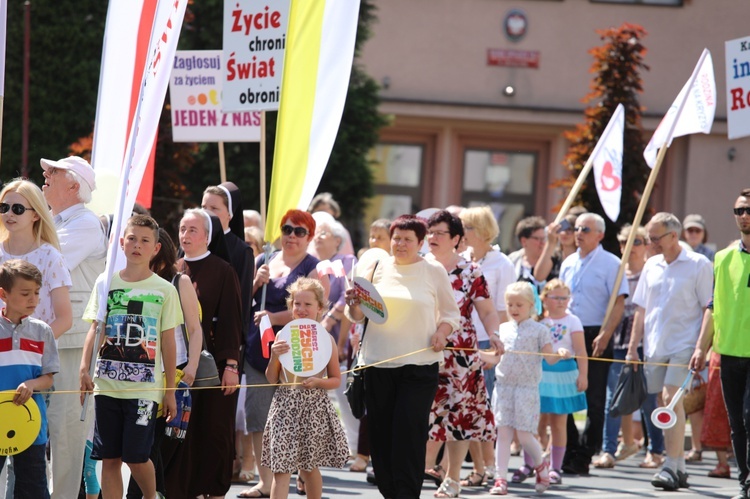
695	399
355	380
630	392
207	374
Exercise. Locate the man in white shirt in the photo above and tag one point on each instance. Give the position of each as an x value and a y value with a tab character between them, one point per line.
67	186
671	297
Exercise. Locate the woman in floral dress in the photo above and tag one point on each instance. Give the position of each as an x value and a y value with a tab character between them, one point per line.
461	412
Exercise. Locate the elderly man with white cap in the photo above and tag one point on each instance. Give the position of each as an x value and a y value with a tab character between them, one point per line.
67	186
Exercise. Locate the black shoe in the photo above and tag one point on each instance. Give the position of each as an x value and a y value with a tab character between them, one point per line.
666	479
574	468
371	477
682	478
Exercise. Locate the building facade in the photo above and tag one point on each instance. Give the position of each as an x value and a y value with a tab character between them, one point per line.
480	92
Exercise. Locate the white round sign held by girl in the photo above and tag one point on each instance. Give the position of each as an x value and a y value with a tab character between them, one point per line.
310	347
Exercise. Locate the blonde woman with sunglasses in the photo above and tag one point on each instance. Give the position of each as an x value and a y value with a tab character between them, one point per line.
28	233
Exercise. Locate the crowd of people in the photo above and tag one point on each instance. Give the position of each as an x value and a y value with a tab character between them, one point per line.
481	353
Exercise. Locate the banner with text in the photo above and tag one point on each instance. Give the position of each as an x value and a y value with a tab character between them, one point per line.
255	33
738	87
195	89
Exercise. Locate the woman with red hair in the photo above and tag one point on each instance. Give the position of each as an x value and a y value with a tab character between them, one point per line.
282	269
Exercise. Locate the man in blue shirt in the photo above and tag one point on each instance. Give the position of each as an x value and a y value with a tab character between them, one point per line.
590	273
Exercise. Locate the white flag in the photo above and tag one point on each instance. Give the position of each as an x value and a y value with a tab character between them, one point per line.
691	112
608	164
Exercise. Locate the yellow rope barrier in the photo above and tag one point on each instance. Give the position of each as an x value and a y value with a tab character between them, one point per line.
264	385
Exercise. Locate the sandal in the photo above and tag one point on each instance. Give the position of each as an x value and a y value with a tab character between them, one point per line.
436	474
555	477
300	486
721	471
359	465
694	456
652	461
542	477
521	474
500	488
474	479
246	476
449	488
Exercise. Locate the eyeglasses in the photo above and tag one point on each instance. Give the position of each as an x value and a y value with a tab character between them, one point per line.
322	233
52	170
636	242
657	239
437	232
558	298
585	230
18	209
743	209
298	231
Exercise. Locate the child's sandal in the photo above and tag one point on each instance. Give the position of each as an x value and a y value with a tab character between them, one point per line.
522	474
542	477
500	488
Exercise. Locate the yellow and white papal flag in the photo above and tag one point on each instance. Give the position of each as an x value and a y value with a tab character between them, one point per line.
317	67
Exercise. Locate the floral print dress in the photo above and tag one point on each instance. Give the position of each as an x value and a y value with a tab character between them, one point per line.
461	410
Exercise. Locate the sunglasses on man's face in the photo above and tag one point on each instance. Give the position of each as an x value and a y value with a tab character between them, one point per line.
16	208
287	230
741	210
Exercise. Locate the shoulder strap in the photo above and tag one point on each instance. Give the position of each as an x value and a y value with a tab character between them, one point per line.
176	284
367	321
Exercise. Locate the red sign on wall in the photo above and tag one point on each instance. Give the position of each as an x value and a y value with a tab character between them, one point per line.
513	58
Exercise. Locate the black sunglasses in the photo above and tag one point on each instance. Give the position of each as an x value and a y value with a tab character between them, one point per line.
298	231
737	211
17	208
585	230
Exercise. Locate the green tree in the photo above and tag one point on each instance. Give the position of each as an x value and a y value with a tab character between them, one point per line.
66	46
617	65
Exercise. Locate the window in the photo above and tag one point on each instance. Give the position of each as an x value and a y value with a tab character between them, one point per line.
504	180
397	174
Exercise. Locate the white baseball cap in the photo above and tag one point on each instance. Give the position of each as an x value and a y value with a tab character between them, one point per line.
76	164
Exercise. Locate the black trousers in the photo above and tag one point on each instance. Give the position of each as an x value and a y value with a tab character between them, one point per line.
581	448
735	385
398	402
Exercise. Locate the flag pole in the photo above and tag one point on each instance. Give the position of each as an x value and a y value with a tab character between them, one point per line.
267	246
633	232
649	187
222	163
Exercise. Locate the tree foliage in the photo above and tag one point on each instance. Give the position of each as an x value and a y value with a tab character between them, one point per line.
66	46
617	65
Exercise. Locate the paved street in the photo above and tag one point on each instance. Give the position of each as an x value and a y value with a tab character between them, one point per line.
627	480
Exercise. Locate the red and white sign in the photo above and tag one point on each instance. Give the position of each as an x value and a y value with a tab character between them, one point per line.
737	54
195	90
513	58
608	164
255	33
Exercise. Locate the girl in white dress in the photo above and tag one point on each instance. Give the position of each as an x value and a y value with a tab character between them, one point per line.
516	398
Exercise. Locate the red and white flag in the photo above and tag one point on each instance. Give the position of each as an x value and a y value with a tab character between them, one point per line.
267	336
327	267
607	161
164	20
691	112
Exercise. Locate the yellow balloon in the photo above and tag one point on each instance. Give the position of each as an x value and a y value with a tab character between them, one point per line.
19	424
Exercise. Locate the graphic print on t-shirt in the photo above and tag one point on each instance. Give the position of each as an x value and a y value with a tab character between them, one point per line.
129	351
558	331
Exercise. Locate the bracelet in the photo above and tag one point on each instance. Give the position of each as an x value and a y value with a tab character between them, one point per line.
232	369
330	314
